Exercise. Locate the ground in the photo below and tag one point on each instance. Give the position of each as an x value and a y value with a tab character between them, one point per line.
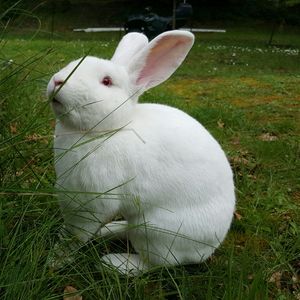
244	92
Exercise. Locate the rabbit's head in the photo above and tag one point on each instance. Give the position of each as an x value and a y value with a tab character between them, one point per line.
93	93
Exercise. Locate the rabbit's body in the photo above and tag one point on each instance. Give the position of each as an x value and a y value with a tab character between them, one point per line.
160	170
187	203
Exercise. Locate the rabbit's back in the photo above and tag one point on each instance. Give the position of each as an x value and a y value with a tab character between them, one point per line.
178	151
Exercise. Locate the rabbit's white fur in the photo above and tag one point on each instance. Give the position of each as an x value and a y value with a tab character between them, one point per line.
152	164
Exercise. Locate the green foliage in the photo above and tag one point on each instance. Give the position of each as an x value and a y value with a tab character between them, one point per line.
291	3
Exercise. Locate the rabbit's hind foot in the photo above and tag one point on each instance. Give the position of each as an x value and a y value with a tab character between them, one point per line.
125	263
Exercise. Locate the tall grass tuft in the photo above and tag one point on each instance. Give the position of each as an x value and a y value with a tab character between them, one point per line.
26	220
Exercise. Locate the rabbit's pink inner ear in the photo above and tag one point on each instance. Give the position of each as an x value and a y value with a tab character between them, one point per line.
163	59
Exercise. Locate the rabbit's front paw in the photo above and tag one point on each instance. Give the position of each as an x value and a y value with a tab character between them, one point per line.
125	263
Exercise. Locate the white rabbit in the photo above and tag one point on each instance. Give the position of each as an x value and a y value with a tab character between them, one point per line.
152	164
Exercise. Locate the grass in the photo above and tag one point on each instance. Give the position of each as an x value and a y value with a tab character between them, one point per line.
245	93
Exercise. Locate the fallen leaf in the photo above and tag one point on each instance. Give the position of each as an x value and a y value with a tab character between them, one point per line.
13	128
286	216
268	137
251	176
36	137
33	137
52	124
250	277
276	278
295	278
70	293
19	173
237	216
220	123
296	196
236	160
236	141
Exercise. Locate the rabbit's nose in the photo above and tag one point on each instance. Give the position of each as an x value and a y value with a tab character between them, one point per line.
58	82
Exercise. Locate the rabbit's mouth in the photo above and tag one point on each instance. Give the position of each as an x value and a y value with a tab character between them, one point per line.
56	102
57	106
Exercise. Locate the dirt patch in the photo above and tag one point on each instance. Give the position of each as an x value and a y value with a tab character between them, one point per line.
194	88
247	102
296	196
252	82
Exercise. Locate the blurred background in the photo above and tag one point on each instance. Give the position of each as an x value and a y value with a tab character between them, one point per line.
64	15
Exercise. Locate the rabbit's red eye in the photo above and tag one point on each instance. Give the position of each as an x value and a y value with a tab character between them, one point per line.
107	81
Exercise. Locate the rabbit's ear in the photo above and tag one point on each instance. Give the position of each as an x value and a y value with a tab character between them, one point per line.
130	44
158	61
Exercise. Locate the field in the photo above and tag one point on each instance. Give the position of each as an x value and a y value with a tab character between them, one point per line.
244	92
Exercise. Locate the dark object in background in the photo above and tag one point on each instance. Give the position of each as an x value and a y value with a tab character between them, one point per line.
152	24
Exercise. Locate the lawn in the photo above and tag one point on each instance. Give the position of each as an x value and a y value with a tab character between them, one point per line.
245	93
